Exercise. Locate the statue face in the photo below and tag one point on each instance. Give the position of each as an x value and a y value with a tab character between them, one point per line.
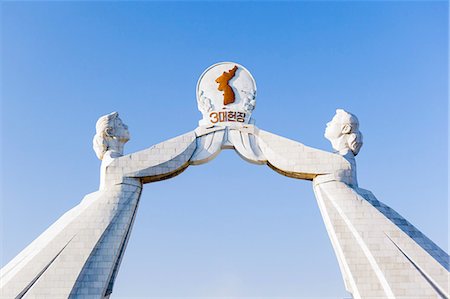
121	131
334	128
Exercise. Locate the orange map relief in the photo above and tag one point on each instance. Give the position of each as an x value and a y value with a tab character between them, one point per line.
228	93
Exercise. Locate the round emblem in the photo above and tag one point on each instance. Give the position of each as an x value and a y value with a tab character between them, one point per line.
226	93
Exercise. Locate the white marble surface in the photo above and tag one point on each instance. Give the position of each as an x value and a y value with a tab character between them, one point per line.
80	254
381	255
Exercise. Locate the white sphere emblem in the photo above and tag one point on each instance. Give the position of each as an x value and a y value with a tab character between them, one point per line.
226	93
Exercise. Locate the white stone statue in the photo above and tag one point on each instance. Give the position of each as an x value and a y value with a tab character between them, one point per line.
343	133
380	254
80	254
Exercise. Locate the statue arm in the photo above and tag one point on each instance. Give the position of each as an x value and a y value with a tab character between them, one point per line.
296	160
161	161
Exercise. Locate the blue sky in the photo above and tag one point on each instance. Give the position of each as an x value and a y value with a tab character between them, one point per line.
64	64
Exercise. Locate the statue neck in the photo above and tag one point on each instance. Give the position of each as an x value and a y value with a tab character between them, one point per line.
108	157
346	152
115	148
341	146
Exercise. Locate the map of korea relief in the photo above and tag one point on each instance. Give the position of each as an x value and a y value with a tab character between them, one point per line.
223	80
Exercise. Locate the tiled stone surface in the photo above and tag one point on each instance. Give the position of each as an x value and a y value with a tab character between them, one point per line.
423	241
155	163
380	254
79	255
299	161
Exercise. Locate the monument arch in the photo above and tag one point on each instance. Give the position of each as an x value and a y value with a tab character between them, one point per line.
380	254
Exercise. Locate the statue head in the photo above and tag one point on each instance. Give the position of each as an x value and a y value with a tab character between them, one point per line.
343	132
111	134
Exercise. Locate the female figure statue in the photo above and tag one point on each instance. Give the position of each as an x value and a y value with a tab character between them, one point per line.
380	254
80	254
369	237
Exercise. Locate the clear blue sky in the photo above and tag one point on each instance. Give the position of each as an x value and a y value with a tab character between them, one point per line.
64	64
